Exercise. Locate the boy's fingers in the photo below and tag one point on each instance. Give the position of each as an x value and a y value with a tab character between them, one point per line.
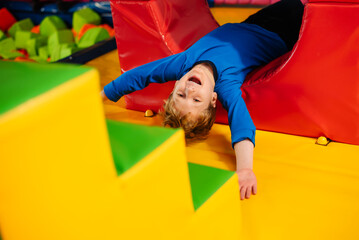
242	192
254	189
248	192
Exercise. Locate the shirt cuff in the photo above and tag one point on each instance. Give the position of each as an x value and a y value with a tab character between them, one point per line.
110	92
243	135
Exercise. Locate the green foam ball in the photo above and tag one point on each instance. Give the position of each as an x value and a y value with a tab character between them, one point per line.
93	36
51	24
85	16
23	25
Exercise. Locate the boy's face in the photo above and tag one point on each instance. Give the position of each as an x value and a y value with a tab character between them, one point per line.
193	93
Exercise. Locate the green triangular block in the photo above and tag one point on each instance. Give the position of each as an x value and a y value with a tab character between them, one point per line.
85	16
51	24
23	25
205	181
21	82
93	36
131	142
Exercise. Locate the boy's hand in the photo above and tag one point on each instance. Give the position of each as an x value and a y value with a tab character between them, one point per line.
247	182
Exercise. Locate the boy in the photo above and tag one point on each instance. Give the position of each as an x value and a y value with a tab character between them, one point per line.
215	67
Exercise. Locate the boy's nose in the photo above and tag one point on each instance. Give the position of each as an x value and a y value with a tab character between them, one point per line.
190	88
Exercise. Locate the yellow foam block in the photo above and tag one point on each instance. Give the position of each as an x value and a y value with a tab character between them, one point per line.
219	217
153	198
50	173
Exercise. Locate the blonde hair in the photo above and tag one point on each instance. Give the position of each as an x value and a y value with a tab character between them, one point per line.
195	130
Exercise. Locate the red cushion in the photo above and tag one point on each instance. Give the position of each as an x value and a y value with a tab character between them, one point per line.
311	91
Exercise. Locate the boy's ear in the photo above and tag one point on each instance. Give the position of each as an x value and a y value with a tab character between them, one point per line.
214	99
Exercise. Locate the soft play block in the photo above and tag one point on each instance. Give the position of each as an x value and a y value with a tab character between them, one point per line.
23	25
2	35
7	44
205	181
93	36
155	176
220	216
10	54
7	19
38	59
84	16
8	49
127	153
43	52
51	24
21	38
45	109
59	37
32	45
61	51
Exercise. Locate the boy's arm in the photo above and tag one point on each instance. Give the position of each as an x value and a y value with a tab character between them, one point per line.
160	71
242	133
244	159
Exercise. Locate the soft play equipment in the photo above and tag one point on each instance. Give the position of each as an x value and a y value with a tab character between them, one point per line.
66	173
311	91
241	2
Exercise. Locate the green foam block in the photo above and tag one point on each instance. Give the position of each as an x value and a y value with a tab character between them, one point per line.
7	45
38	59
21	38
33	45
93	36
43	52
23	25
2	35
10	55
8	49
84	16
60	37
61	51
51	24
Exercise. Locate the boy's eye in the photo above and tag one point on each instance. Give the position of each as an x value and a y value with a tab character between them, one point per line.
196	100
180	94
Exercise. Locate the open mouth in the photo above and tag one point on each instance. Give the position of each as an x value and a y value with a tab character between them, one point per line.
195	80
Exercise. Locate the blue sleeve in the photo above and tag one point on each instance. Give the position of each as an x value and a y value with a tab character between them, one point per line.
240	122
160	71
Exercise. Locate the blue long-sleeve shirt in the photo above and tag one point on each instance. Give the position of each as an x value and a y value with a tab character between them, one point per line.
232	49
